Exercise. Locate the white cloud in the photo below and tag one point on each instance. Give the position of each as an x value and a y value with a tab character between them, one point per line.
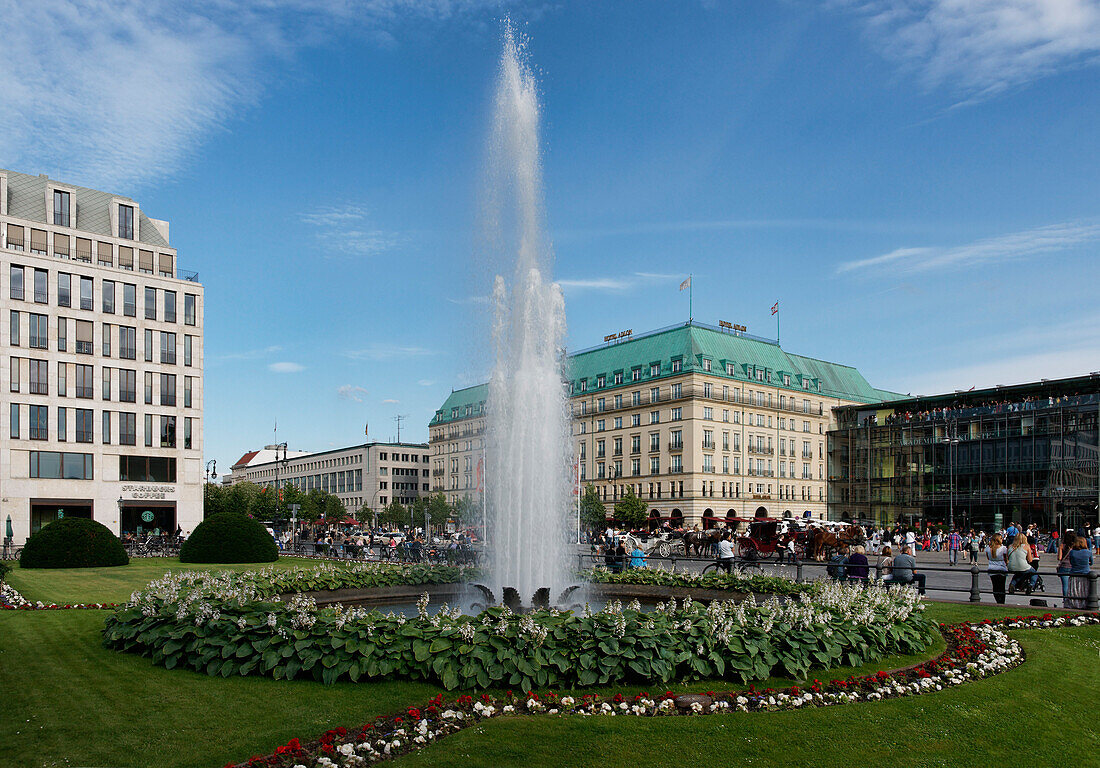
351	392
391	401
470	300
286	367
617	284
425	382
119	92
1013	246
346	229
981	47
387	352
250	354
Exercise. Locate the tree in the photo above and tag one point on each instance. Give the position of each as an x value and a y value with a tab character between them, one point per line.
419	509
630	511
467	512
364	515
333	507
213	499
395	514
593	514
439	511
313	506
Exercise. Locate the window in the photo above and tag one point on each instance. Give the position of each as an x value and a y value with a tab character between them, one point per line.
618	377
64	289
167	431
148	345
167	389
105	254
150	303
676	441
618	423
15	237
106	428
13	422
635	374
16	283
169	306
677	414
145	262
39	377
127	429
189	311
13	331
601	382
584	385
654	369
106	383
677	391
41	292
147	469
168	348
708	413
148	388
84	337
85	293
126	222
600	425
40	334
62	379
38	241
53	465
129	300
725	415
127	385
600	405
13	376
654	417
127	342
635	419
109	296
84	381
187	435
149	430
654	465
677	366
62	435
186	391
106	336
61	245
83	425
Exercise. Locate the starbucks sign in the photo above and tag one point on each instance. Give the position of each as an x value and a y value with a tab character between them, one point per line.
147	516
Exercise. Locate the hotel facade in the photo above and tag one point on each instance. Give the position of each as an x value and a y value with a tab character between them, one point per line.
104	368
703	423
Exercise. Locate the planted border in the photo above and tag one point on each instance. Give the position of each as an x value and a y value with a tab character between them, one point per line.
224	625
735	581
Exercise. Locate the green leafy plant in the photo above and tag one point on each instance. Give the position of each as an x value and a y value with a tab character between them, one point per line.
73	542
734	581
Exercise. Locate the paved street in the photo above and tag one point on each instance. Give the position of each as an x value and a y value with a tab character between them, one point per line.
952	583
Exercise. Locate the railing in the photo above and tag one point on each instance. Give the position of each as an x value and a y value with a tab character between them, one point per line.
676	445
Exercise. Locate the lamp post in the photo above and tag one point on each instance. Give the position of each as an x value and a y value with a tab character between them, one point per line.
1061	491
211	470
951	442
278	490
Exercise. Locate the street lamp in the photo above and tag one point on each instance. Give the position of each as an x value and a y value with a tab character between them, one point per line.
211	470
278	490
951	442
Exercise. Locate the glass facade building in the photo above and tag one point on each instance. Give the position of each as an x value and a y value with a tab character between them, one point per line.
1025	453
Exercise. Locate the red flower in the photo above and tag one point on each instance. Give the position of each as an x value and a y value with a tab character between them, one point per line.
328	749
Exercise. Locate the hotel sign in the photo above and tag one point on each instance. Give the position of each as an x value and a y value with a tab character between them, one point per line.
149	492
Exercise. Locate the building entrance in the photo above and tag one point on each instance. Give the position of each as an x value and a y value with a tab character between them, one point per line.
149	519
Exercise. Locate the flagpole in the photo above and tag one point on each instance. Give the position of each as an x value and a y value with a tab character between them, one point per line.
691	290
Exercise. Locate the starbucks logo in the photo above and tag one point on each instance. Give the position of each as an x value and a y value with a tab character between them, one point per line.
147	516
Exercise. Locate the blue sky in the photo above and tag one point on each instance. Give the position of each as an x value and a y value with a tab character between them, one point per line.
917	181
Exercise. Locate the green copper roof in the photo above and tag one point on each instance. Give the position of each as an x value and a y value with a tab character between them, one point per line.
738	357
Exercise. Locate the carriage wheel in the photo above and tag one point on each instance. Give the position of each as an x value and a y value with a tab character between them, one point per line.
664	549
800	550
747	550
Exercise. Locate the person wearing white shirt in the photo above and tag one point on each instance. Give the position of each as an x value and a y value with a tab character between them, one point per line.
725	552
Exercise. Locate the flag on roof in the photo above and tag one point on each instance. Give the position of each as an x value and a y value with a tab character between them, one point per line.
685	284
775	307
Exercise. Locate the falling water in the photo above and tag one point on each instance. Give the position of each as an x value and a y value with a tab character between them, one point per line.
528	472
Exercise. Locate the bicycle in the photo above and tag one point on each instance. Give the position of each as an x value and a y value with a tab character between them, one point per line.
750	564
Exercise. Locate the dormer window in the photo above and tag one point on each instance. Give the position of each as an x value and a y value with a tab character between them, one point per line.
729	369
706	364
126	222
61	208
654	369
584	385
759	374
618	377
601	382
786	379
677	365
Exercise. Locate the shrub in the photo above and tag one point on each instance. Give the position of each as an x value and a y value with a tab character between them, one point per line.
229	537
73	542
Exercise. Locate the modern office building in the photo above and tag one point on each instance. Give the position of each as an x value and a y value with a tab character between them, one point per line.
372	474
104	363
988	457
704	423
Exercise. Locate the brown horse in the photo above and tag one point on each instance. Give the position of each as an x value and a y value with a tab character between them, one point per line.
822	542
701	541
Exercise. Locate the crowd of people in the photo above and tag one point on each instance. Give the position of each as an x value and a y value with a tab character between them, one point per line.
994	406
413	546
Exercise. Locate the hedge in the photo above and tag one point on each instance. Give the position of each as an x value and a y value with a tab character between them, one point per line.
229	537
736	581
73	542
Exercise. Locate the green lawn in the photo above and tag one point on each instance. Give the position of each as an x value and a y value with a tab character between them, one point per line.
68	701
114	585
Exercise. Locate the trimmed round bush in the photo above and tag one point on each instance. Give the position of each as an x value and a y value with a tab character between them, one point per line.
73	542
229	537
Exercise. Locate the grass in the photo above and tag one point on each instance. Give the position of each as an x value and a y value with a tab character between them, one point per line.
68	701
114	585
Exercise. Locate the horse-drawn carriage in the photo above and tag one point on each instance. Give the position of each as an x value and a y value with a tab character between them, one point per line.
765	538
658	543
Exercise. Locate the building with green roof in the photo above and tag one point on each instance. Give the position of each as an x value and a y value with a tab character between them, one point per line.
703	423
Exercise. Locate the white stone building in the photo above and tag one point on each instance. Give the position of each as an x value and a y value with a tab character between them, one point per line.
103	375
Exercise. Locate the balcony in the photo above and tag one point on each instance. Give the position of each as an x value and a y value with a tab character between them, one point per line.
761	450
708	445
676	445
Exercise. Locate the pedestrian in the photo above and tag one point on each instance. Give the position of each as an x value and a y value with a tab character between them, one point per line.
637	557
620	557
885	560
974	546
1065	546
725	552
997	566
857	564
954	541
1080	558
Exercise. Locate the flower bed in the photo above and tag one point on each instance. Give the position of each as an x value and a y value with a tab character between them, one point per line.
974	651
226	624
11	600
736	581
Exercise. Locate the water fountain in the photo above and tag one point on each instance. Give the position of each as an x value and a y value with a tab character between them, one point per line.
528	468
